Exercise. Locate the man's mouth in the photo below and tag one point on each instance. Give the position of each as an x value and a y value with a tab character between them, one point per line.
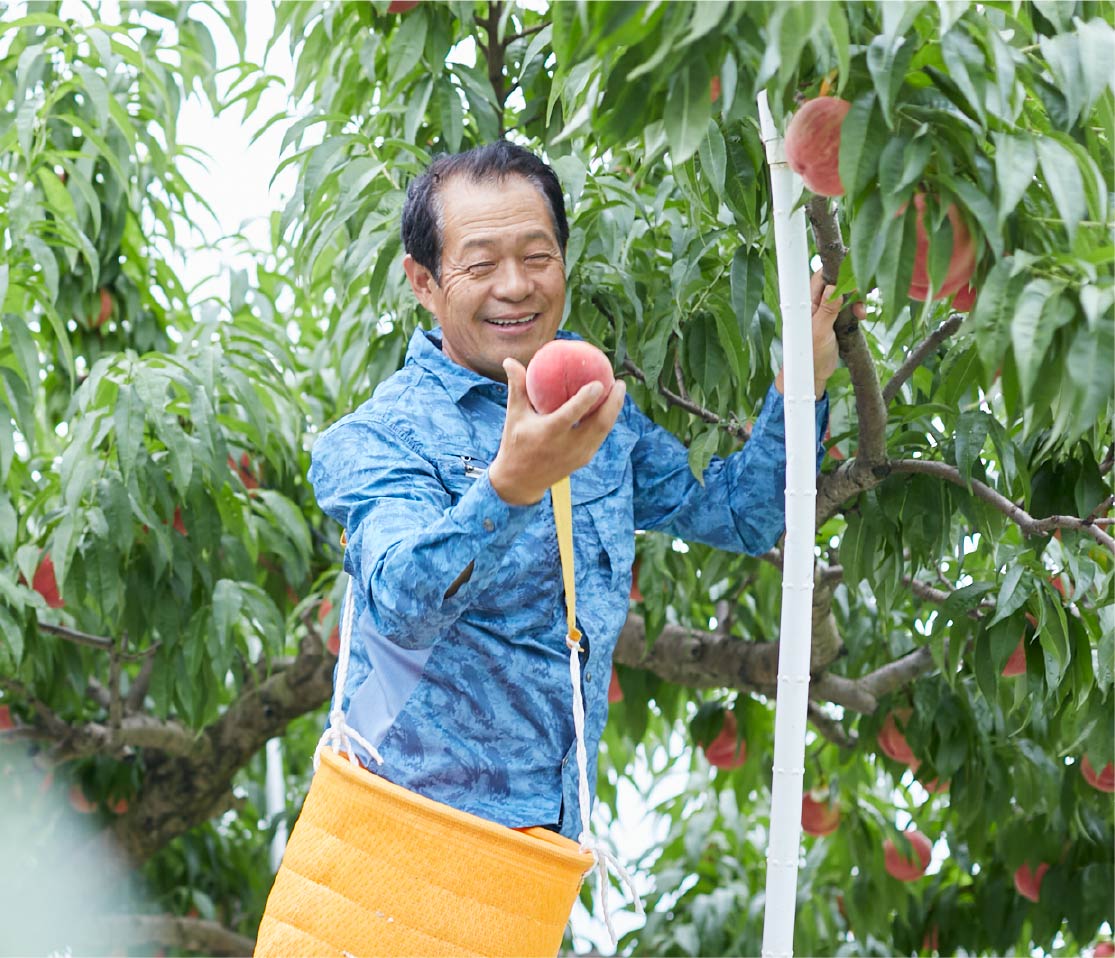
521	321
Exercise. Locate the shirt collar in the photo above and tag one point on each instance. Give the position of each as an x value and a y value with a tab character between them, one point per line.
425	351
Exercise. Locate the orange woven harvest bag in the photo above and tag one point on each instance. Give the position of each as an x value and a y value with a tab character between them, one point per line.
372	869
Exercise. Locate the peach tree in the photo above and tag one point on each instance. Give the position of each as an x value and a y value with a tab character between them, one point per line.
964	640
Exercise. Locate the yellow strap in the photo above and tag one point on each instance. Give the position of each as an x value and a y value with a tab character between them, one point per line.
563	520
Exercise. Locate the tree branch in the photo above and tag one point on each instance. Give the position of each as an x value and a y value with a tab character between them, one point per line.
1027	523
918	354
830	729
529	31
734	427
871	411
697	659
898	673
98	642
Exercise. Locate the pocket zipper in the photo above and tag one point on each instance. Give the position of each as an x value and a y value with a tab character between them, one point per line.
472	471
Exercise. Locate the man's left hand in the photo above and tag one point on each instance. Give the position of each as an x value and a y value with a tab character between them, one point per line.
826	353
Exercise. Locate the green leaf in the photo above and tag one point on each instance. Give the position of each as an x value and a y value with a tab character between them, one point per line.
1062	176
746	279
887	61
687	111
858	546
967	68
129	417
713	157
226	609
701	451
404	47
448	103
868	239
1028	336
1053	635
862	138
1011	597
971	431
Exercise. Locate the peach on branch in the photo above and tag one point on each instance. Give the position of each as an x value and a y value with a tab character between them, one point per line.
813	144
1016	664
333	643
46	583
906	867
615	693
1027	880
1104	781
727	750
963	301
818	816
962	262
891	740
560	368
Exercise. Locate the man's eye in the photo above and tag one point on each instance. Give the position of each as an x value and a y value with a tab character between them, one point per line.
538	259
479	269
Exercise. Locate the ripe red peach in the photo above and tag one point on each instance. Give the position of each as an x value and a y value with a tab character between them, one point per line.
813	144
560	368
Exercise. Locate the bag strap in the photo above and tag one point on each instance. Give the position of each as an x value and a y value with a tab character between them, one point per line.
339	734
563	521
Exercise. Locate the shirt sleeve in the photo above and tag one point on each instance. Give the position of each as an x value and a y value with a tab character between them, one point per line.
407	542
741	505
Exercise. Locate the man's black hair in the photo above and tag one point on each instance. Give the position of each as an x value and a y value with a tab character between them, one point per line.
493	162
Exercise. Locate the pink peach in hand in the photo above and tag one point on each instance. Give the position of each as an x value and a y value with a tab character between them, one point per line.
560	368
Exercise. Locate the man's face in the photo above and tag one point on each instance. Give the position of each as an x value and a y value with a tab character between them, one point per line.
502	288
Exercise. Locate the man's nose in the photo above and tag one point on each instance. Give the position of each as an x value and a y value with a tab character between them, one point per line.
512	280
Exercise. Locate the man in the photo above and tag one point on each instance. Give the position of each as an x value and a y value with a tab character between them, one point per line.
459	672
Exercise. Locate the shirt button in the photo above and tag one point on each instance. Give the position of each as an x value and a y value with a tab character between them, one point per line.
489	525
588	676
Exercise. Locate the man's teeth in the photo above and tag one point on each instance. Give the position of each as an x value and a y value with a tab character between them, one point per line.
512	322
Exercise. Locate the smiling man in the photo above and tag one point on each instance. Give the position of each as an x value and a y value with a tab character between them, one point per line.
459	672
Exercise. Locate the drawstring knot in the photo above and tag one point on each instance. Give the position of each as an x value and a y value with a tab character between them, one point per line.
340	735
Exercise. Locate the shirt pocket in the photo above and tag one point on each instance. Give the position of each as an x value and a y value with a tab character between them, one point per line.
458	471
602	505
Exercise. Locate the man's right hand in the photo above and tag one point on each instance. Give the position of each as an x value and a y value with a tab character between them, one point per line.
536	451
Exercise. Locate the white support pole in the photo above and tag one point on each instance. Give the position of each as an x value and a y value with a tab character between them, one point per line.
274	790
797	574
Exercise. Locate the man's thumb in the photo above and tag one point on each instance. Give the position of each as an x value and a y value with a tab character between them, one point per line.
516	383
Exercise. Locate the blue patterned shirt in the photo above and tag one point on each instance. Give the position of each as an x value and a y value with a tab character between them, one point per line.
468	698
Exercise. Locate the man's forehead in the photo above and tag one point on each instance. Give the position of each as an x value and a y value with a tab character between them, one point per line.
486	212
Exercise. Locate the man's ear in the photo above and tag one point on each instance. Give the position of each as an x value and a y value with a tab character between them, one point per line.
421	281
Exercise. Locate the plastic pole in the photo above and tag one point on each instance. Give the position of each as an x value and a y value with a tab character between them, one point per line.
797	573
275	798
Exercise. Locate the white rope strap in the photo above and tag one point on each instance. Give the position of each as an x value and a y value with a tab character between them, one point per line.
603	859
340	735
601	856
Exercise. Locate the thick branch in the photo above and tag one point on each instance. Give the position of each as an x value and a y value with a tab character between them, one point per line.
699	659
844	483
1027	523
494	54
181	792
898	673
918	355
871	411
